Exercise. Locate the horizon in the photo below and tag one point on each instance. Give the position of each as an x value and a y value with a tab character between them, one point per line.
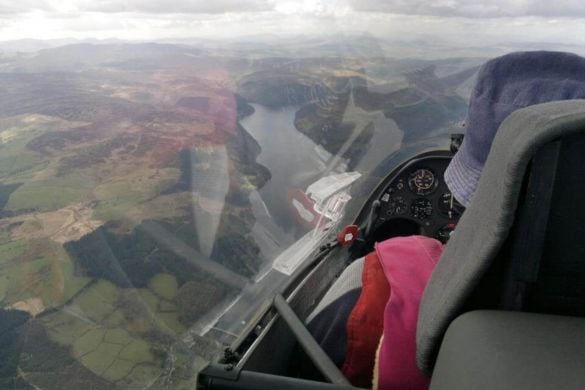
455	22
351	45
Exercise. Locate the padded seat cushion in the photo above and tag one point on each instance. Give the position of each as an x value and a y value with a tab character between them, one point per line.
512	350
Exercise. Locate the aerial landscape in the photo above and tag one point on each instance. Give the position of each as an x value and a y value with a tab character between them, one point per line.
167	168
144	186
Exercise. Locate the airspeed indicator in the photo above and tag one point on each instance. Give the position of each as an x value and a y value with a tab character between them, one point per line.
422	182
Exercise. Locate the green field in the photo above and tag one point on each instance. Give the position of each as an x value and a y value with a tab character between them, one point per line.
37	269
118	196
18	164
164	285
51	194
102	328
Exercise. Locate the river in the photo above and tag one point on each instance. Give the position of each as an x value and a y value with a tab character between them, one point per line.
295	161
292	161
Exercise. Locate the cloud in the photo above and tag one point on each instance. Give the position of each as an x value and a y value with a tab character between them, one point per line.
475	8
21	6
177	6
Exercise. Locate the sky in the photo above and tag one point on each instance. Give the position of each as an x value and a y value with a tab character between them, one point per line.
455	21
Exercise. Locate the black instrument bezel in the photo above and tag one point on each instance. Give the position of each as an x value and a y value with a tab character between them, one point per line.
396	185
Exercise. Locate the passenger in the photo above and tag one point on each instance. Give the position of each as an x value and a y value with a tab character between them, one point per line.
394	276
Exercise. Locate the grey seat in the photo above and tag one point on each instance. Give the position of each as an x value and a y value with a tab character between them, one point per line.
519	246
512	350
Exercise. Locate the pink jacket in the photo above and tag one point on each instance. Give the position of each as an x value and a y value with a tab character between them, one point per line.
407	263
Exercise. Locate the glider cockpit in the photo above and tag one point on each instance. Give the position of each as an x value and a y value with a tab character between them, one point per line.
521	265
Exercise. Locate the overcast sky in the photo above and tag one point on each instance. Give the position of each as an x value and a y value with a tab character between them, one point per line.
458	21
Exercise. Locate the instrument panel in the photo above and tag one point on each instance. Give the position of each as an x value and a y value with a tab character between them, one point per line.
418	193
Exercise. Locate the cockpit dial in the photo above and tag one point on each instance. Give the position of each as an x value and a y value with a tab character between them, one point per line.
397	206
422	182
421	208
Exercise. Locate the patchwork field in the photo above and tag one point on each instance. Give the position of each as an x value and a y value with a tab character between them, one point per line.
110	331
95	157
